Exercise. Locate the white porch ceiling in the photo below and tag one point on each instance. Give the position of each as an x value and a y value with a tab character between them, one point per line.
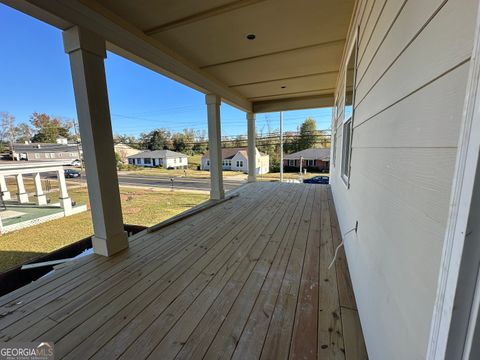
296	53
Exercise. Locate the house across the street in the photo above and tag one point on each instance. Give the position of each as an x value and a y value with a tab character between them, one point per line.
159	158
124	151
312	159
236	159
64	153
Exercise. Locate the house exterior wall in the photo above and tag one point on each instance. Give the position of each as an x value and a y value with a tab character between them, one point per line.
50	156
412	67
263	164
239	163
178	162
319	165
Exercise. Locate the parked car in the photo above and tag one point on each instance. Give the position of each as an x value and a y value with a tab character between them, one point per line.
317	180
69	173
76	163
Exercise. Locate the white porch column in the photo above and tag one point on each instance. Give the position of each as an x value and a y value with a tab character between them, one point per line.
41	197
22	195
65	201
215	147
4	189
87	53
252	150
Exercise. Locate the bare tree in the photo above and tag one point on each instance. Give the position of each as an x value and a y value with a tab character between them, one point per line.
8	130
24	132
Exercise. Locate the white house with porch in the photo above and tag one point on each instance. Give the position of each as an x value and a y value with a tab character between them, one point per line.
163	158
236	159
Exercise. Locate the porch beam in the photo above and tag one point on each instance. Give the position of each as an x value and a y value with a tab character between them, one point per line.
252	150
87	52
128	41
294	103
215	146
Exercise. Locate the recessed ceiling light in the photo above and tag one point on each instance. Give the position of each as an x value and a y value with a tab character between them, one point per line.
251	36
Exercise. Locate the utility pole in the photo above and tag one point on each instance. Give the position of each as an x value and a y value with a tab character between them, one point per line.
77	139
281	146
301	163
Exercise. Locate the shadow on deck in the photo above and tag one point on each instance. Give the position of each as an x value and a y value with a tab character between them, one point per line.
245	279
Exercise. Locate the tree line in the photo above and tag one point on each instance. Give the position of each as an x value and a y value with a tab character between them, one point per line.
42	128
191	142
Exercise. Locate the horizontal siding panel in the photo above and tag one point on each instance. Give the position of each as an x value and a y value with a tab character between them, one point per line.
366	33
413	16
366	19
429	118
420	178
394	259
390	12
428	57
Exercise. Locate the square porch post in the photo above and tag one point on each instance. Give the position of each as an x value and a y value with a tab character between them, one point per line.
87	53
41	197
22	195
4	189
252	149
215	147
65	201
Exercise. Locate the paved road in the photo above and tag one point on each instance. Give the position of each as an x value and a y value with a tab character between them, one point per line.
178	182
184	183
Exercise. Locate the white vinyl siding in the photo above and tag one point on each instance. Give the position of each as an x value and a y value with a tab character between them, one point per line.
413	59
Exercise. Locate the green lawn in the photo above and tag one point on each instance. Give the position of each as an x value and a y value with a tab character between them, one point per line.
140	207
176	172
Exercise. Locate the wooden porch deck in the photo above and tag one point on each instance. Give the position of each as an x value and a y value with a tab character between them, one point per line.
246	279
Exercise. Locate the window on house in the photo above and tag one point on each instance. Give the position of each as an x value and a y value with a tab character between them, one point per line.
37	156
310	163
349	96
47	155
208	162
52	155
291	162
334	145
147	161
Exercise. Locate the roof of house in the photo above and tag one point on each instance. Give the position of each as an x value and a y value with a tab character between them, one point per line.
310	154
229	153
42	148
157	154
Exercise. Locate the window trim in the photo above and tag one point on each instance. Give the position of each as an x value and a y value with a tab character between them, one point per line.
353	51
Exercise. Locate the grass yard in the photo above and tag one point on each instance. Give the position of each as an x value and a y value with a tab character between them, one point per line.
140	207
177	172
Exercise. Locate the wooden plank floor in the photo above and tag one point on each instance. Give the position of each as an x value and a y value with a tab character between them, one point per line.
246	279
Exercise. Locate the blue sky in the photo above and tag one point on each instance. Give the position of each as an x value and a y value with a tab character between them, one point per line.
35	76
